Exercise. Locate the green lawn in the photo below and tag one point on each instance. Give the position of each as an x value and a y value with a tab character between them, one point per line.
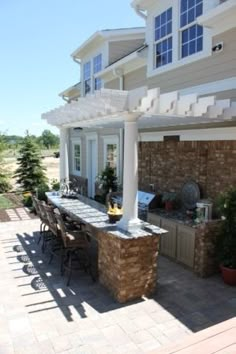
5	203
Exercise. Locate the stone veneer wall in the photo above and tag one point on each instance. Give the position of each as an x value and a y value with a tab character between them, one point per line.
81	183
128	267
205	261
168	165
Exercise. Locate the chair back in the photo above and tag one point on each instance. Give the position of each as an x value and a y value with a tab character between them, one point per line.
41	205
52	221
62	227
36	206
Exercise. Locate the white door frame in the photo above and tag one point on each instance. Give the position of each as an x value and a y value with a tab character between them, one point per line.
91	137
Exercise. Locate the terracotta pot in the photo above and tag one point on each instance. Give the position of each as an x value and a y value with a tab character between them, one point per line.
229	275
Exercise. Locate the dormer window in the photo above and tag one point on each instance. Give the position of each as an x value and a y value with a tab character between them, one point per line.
191	33
163	38
87	77
97	66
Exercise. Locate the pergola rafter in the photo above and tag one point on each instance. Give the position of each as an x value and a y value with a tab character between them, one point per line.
168	109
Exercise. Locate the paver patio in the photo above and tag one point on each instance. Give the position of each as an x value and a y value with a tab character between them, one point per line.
39	314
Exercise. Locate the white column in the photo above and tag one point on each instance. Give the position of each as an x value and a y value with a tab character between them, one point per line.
64	154
130	219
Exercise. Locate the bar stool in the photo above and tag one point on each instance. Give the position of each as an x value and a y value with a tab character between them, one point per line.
75	248
47	235
56	241
38	212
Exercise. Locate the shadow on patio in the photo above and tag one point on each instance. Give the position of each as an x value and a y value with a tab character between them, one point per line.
181	299
38	277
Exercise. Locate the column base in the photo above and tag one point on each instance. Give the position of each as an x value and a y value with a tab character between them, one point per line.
129	272
129	225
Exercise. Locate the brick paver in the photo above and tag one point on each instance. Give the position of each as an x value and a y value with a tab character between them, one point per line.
39	314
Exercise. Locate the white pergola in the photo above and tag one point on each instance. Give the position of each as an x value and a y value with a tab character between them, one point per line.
139	108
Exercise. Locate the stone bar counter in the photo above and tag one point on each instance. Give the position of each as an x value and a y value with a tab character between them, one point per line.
127	262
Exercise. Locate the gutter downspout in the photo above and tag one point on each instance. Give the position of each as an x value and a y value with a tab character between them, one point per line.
139	12
118	72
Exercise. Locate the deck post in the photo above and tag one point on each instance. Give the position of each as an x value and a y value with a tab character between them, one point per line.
130	220
64	154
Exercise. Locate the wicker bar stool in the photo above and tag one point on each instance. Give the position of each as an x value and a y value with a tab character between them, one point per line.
75	249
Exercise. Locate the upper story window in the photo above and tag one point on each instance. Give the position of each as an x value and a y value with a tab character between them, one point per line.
87	77
97	63
163	38
97	66
191	33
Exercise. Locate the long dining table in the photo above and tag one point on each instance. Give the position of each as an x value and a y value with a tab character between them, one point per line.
127	261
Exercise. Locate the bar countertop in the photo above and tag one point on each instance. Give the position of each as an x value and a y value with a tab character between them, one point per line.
93	213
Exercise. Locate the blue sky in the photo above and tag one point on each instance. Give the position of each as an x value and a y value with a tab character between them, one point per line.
36	39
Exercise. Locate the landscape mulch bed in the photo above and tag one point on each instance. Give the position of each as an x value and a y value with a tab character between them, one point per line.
16	199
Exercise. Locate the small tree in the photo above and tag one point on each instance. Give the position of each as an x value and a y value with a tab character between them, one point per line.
48	139
5	185
30	173
4	176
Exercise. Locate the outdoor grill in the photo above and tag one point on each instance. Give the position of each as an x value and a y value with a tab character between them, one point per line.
146	202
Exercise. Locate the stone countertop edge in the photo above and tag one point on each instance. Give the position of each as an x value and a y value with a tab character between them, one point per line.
191	224
146	230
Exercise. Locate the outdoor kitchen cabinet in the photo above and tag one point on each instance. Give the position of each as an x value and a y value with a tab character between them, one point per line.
185	245
179	242
168	243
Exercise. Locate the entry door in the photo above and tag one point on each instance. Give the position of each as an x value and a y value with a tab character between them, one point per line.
92	166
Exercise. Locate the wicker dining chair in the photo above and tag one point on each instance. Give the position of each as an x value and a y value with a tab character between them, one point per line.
75	248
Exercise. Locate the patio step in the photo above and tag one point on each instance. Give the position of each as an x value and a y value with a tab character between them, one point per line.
220	339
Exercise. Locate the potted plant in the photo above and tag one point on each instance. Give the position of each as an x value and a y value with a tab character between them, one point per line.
107	182
168	199
226	241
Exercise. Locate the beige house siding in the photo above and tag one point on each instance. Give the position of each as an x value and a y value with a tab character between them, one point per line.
136	79
230	94
119	49
113	84
219	66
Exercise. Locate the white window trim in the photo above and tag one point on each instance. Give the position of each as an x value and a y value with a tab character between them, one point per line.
170	35
111	139
76	141
177	61
187	26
